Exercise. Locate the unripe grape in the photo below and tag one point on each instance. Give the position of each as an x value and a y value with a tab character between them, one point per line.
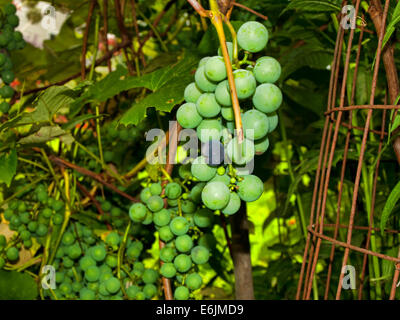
188	206
168	270
252	36
267	98
149	290
162	218
6	92
188	116
250	188
184	243
42	229
215	69
225	179
240	153
202	82
113	285
207	106
132	291
195	193
193	281
245	83
87	294
179	226
134	250
13	20
201	170
7	76
92	274
223	95
137	212
215	195
155	203
203	61
273	121
4	107
149	276
192	93
204	218
86	262
173	190
113	239
12	254
98	253
260	146
165	234
209	129
9	9
227	113
267	70
167	254
182	263
257	122
200	255
145	194
233	204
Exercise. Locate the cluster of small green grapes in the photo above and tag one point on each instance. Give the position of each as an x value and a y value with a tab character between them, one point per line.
30	219
10	40
182	225
87	268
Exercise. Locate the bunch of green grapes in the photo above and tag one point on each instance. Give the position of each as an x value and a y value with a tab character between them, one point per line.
87	268
182	224
10	40
208	109
29	217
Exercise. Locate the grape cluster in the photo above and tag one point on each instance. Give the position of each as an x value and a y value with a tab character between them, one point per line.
10	40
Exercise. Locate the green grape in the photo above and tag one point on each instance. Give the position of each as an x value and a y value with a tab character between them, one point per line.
215	69
155	203
165	234
86	262
18	36
162	218
267	70
204	218
68	262
240	153
188	116
68	239
75	251
225	179
115	212
28	243
13	20
43	197
21	207
193	281
47	212
167	254
3	40
149	276
134	250
188	206
215	195
203	61
145	194
92	274
2	263
182	263
32	226
260	146
103	290
168	270
208	240
155	189
76	286
25	217
7	76
12	254
148	219
112	261
113	239
252	36
223	95
250	188
113	285
87	294
191	94
245	83
257	122
209	129
201	170
3	241
60	276
173	190
9	9
137	212
195	193
98	253
179	226
184	171
200	255
172	203
4	107
149	290
273	120
6	92
227	113
229	46
66	288
267	98
184	243
105	206
181	293
138	269
233	204
202	82
207	106
41	230
58	219
132	291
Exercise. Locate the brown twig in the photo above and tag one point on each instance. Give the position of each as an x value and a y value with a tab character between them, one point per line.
249	9
91	174
86	37
199	8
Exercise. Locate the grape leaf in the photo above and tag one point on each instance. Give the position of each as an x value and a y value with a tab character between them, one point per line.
46	134
17	286
8	166
314	5
389	206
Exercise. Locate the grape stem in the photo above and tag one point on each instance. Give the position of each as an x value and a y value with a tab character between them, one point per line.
216	19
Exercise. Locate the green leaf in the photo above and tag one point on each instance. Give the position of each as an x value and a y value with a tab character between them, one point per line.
8	167
168	85
314	5
389	206
395	19
46	134
17	286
